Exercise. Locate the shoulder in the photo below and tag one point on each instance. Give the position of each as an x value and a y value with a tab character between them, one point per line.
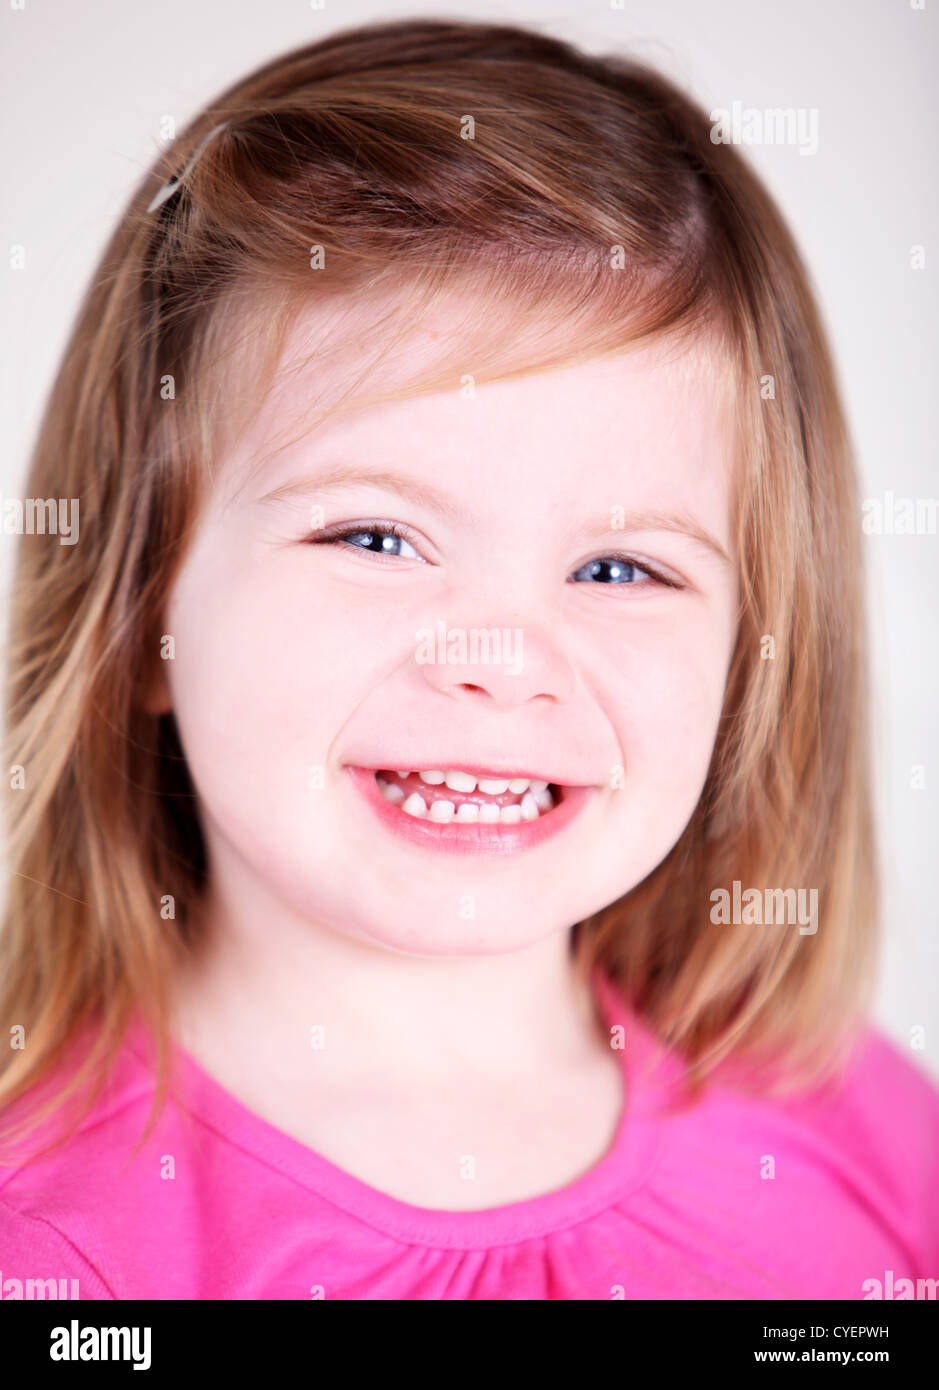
820	1188
52	1200
883	1104
34	1252
886	1114
882	1112
27	1165
865	1143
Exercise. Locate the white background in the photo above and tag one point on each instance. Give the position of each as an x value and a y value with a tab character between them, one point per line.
86	86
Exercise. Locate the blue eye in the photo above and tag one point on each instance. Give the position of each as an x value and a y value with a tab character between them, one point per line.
386	540
621	570
375	540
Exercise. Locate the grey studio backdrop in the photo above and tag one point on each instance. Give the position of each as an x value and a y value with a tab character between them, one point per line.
89	91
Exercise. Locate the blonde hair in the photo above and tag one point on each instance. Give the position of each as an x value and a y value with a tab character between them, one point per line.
402	161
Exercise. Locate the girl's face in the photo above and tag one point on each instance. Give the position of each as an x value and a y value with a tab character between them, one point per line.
582	519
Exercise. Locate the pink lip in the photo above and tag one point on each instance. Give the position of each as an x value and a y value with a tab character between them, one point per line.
460	838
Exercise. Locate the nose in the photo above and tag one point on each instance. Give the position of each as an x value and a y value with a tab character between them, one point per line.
509	665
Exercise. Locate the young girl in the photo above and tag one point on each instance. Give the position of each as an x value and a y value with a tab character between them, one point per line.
441	861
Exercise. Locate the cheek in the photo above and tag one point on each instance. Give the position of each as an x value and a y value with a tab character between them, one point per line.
263	679
665	706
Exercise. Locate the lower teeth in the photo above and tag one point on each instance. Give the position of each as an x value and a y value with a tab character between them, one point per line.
531	807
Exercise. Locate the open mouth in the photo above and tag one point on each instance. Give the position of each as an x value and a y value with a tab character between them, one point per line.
449	795
469	810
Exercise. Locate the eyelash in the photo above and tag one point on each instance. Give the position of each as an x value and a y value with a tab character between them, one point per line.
401	532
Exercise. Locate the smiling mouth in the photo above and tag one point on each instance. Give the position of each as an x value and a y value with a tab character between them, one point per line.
452	795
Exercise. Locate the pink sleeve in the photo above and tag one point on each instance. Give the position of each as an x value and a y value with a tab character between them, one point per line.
32	1249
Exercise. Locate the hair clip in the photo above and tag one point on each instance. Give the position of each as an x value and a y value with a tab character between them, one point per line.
170	188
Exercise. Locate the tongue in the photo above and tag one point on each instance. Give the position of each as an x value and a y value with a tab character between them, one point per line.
413	783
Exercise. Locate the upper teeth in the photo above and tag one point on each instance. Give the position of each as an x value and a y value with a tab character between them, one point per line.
466	782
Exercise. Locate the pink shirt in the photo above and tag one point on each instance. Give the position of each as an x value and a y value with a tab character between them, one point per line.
677	1209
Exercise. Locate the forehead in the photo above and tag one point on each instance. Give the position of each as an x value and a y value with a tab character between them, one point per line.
642	412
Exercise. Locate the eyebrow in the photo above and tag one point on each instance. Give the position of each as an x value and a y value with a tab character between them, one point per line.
343	476
681	523
337	477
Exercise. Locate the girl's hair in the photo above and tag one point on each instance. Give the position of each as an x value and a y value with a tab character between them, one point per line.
386	167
